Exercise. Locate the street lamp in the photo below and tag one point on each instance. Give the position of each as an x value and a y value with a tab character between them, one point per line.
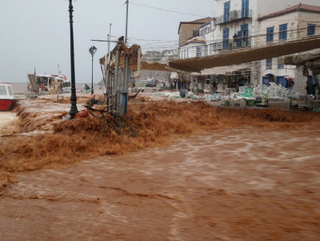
73	110
92	51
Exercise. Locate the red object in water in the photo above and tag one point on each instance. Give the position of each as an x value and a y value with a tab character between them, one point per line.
7	100
82	114
7	104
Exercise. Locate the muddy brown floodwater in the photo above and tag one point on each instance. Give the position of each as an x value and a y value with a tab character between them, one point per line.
246	178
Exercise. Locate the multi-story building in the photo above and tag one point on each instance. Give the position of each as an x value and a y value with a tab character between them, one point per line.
198	45
193	38
189	30
242	24
293	23
238	20
239	26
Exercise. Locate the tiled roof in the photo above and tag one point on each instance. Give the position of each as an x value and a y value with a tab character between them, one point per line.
295	8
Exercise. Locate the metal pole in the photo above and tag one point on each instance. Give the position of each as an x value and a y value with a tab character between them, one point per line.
126	35
73	110
108	68
116	87
92	77
109	36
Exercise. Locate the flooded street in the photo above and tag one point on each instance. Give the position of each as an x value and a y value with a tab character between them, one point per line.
245	183
6	118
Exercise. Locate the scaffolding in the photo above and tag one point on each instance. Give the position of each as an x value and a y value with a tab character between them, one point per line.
118	66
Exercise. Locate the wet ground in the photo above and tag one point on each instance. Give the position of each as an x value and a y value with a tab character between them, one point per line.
232	182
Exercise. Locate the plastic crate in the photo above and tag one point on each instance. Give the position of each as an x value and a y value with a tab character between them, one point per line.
247	92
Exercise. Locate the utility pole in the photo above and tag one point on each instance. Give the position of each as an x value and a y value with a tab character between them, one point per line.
126	34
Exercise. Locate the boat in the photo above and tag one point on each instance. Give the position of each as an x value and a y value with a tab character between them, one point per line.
7	100
48	84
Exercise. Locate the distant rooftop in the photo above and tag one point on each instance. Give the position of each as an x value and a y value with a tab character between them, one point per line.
194	40
299	7
198	21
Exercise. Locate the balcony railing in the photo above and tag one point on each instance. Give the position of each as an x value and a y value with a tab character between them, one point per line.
230	44
234	16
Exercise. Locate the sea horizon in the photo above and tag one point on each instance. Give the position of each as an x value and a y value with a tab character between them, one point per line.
21	87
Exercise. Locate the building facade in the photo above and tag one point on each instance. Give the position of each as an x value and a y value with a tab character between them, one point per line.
189	30
242	24
199	45
297	22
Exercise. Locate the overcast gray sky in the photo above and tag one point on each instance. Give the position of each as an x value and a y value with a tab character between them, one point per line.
36	33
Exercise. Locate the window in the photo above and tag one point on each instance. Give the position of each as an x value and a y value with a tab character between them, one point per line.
225	38
270	32
245	9
195	33
199	50
3	90
10	91
311	29
283	32
226	12
269	63
280	66
212	48
242	38
244	35
205	30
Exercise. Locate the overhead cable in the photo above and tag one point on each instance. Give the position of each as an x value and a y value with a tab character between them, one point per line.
167	10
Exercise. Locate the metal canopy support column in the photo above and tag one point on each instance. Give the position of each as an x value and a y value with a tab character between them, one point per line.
116	89
124	90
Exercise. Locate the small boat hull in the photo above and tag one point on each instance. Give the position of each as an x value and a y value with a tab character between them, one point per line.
7	104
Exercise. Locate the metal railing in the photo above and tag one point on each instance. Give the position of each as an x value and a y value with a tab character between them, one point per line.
230	44
233	16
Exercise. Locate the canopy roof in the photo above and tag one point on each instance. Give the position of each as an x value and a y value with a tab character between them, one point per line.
244	56
135	63
301	58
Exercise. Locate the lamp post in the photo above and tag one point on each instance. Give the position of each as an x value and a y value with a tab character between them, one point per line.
92	51
73	110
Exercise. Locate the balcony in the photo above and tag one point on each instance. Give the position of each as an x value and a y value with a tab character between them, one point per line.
230	45
234	16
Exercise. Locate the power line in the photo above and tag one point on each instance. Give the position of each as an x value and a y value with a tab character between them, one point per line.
167	10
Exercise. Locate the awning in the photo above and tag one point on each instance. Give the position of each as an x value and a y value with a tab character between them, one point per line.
244	56
300	58
226	70
135	60
154	66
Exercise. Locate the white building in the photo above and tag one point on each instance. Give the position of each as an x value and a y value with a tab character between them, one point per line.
198	45
296	22
242	24
239	23
241	18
